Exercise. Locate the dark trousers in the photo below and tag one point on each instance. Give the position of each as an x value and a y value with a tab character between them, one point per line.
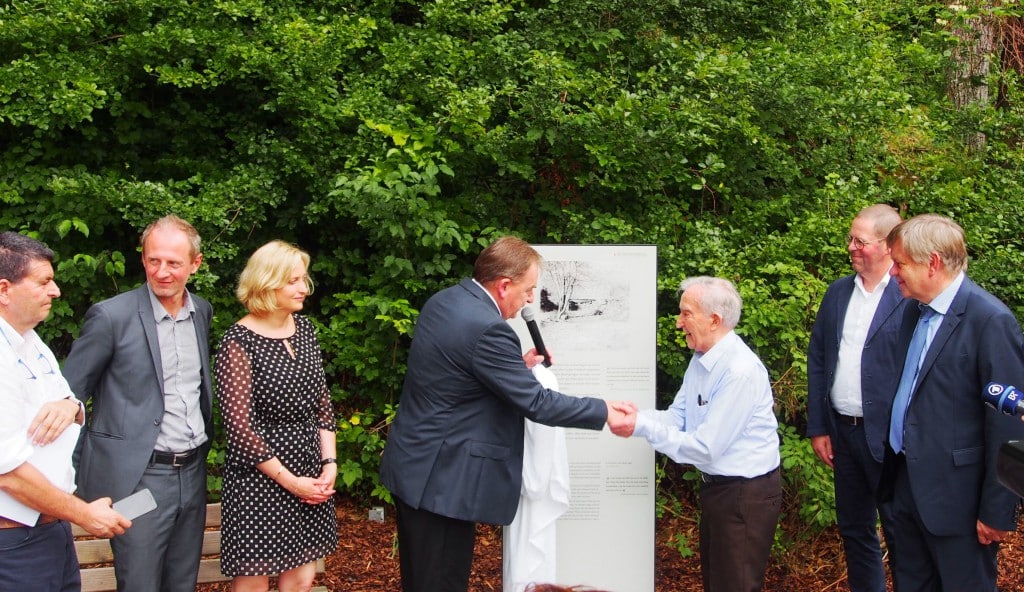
929	563
737	529
40	558
162	549
435	553
858	511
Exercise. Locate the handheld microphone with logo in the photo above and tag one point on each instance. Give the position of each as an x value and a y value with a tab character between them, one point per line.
538	341
1004	398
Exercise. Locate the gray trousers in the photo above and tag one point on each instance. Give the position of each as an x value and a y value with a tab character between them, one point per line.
161	551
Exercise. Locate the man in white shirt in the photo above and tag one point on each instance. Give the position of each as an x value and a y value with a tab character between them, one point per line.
38	408
722	422
853	366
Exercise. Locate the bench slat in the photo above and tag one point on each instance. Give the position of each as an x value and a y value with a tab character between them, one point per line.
101	579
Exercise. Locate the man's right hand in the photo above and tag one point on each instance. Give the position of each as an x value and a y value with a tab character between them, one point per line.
100	519
822	446
621	417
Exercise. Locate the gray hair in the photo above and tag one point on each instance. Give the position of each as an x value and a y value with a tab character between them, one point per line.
931	233
718	296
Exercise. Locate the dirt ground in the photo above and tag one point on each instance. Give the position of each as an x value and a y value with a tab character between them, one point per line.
367	560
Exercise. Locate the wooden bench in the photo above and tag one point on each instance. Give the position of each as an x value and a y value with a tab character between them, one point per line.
93	553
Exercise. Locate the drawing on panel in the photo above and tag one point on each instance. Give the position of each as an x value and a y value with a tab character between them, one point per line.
584	297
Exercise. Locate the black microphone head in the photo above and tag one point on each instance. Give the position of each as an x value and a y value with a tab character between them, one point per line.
527	314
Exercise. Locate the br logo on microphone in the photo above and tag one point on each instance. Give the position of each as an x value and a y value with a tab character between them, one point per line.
1004	398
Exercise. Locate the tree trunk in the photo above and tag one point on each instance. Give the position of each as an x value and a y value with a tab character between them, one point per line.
968	79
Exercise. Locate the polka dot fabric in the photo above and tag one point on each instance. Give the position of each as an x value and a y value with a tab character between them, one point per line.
272	405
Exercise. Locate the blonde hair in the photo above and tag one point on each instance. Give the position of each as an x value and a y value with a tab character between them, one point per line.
268	269
174	222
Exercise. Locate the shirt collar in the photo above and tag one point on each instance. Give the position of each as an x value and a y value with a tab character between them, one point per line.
719	350
882	283
488	295
13	338
944	300
160	313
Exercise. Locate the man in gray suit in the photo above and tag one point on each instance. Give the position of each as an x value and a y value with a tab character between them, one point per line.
454	454
143	359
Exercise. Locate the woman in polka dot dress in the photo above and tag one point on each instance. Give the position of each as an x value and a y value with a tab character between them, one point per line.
280	468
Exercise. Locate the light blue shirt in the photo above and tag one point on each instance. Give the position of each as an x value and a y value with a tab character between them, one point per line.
940	304
182	428
722	420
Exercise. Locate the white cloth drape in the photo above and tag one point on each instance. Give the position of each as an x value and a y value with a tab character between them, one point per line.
529	542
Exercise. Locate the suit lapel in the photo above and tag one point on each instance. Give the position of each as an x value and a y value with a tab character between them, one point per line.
146	319
949	324
839	307
887	305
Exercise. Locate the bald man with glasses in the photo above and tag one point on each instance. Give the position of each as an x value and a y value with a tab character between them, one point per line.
853	367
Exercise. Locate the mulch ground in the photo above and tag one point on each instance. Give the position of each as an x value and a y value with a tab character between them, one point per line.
367	559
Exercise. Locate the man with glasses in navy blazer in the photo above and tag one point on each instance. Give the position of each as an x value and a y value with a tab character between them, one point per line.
853	366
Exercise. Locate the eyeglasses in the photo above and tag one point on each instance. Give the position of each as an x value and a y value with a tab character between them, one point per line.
859	243
42	362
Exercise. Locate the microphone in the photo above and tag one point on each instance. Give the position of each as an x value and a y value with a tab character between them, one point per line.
1004	398
538	341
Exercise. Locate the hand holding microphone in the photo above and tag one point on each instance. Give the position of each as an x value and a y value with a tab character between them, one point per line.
538	341
1005	398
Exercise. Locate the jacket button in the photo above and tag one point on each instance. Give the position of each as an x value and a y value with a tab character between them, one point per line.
156	422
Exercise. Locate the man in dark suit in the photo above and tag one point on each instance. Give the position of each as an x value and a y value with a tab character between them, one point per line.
454	453
949	510
143	358
853	366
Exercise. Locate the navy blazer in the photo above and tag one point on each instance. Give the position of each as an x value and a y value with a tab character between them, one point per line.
455	447
116	362
951	437
880	368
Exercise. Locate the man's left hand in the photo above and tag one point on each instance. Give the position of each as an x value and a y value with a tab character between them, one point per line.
988	535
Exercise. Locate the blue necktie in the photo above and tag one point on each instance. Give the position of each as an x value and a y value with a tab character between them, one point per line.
910	369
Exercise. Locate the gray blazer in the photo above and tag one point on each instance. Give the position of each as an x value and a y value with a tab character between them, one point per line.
116	363
456	445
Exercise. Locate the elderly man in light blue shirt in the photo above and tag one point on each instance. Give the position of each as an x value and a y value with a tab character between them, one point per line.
722	423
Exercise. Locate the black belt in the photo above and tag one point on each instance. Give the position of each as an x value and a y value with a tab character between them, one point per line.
175	459
849	419
709	479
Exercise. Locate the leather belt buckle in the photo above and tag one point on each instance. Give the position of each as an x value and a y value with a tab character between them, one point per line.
174	459
850	419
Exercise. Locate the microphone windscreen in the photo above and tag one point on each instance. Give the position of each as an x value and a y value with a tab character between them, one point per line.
527	314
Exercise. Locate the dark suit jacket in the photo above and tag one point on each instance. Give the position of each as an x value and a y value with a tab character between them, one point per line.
881	362
951	438
456	445
116	362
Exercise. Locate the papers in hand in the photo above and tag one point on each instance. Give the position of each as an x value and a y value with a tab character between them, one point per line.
54	462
